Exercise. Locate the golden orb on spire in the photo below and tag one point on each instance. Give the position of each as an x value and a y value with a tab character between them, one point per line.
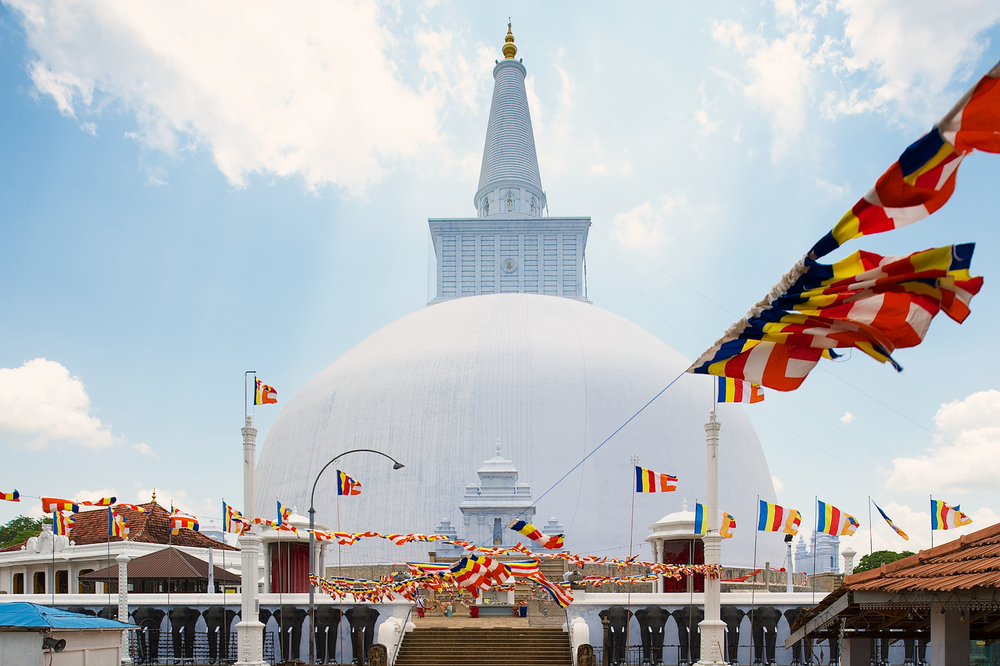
509	50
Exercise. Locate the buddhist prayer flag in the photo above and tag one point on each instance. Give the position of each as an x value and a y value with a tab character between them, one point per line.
117	524
233	520
264	394
53	504
726	522
11	497
62	524
648	481
944	517
179	521
734	390
134	507
553	542
831	520
774	518
892	524
868	302
346	485
284	513
728	525
104	501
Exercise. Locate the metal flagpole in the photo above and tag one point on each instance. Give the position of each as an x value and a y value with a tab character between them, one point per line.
753	578
871	528
932	520
815	529
631	529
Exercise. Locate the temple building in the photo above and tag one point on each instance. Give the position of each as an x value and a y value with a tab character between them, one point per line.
509	349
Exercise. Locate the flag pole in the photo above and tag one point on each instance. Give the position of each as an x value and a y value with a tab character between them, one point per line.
108	584
815	528
54	518
753	581
871	528
932	520
631	530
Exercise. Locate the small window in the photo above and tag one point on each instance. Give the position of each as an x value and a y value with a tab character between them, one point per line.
486	206
18	584
62	582
510	202
87	586
497	531
38	583
532	206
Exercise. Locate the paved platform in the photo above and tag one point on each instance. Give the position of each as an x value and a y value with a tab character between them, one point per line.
466	622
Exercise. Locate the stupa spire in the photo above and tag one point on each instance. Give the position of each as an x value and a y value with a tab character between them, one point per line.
509	182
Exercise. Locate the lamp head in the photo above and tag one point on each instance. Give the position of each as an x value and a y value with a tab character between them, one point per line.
398	465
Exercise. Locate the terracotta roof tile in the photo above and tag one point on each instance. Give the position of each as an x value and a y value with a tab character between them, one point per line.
150	527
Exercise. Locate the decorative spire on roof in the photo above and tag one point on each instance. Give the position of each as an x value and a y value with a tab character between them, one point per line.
509	50
153	498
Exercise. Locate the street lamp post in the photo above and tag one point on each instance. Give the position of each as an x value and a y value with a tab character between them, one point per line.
312	542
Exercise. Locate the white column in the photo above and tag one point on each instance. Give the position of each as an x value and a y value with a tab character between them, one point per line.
949	636
790	571
122	561
713	629
250	631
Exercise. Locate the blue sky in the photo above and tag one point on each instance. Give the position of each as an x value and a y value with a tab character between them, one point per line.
189	191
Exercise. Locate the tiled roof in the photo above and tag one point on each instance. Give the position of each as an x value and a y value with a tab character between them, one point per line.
972	560
150	527
166	563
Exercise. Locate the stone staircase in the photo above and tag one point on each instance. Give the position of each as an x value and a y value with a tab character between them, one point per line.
482	646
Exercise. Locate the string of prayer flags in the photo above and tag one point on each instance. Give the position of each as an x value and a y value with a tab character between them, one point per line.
735	390
774	518
134	507
833	521
868	302
892	524
346	485
264	394
944	517
104	501
11	497
648	481
554	542
179	521
53	504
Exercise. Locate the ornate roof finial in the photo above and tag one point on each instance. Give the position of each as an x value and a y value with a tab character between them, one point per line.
153	499
509	50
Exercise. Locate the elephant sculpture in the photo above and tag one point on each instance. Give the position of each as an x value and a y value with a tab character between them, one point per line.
764	632
651	622
218	620
913	656
362	620
688	620
289	621
81	610
617	638
182	621
149	620
327	621
834	643
792	614
108	613
733	617
880	651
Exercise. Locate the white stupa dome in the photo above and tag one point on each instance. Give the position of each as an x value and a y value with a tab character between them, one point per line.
550	378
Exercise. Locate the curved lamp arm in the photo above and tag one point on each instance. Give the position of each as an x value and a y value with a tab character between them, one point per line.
312	495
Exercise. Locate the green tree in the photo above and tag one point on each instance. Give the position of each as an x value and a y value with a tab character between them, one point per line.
878	558
20	529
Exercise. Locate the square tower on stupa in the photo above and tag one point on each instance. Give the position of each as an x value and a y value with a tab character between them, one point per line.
510	247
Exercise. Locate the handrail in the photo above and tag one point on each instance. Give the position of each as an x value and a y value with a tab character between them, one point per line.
402	634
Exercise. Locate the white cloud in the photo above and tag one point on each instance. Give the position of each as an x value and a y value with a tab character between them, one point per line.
846	418
893	55
93	496
40	403
832	190
707	126
145	450
964	458
645	227
778	485
290	90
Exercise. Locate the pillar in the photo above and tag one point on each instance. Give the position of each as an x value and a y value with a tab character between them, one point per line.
949	636
250	634
713	629
122	561
858	652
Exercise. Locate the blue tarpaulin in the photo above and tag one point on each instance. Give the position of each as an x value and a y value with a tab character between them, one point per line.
24	615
